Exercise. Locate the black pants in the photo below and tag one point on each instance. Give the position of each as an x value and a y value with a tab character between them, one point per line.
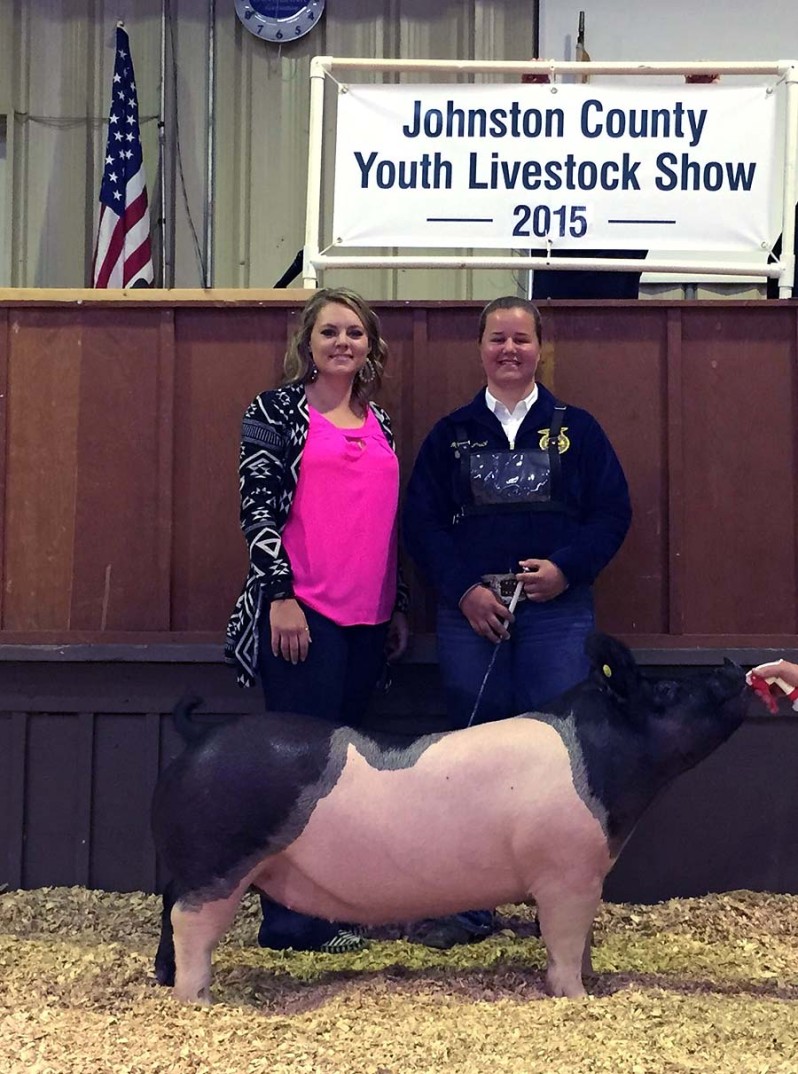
335	683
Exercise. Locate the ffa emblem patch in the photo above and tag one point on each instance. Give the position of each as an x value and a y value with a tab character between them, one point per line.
563	443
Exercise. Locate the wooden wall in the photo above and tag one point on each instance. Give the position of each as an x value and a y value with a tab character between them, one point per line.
120	424
121	553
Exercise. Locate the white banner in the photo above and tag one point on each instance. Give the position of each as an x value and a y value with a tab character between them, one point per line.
577	166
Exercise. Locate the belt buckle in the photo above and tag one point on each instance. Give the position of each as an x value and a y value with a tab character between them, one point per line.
507	587
502	586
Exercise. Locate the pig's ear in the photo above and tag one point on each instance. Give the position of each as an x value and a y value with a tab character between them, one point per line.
613	665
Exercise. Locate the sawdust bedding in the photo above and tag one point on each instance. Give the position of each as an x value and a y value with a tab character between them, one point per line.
695	985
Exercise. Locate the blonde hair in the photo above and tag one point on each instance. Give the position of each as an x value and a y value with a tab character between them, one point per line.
298	365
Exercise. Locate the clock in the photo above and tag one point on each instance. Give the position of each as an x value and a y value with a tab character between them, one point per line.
279	20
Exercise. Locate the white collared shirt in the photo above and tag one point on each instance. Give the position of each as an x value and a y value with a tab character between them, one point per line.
511	419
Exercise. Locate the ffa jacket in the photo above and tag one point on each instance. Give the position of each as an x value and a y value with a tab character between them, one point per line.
454	547
273	436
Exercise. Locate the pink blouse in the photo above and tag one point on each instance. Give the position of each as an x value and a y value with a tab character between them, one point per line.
340	536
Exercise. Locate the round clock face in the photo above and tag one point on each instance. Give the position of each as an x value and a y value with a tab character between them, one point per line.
279	20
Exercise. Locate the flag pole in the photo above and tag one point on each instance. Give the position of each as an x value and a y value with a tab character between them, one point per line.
582	55
164	275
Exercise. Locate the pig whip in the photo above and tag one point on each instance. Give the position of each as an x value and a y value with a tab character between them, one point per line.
512	605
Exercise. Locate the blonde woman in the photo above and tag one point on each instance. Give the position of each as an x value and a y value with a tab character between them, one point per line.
322	607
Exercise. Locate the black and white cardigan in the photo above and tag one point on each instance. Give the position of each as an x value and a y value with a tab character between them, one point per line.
273	436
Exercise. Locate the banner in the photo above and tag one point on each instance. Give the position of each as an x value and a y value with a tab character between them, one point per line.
570	166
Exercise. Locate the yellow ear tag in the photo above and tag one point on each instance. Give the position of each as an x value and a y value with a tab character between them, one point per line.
607	671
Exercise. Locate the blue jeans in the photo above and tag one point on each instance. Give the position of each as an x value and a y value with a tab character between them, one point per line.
544	656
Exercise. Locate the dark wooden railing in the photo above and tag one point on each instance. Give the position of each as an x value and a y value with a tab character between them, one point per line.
120	422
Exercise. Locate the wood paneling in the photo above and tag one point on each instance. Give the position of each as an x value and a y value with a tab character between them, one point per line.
118	576
612	362
673	459
739	428
55	789
43	413
224	359
127	757
121	441
13	755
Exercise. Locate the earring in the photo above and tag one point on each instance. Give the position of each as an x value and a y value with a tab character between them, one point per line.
313	371
367	372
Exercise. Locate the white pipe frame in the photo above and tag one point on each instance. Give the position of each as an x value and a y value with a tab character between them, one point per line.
165	276
787	259
321	66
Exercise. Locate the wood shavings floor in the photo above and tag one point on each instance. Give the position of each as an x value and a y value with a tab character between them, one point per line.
699	985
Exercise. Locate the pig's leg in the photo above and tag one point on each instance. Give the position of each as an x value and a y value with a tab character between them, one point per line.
165	955
565	925
196	933
587	959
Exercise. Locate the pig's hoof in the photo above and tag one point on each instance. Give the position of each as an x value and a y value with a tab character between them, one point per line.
562	988
203	997
165	972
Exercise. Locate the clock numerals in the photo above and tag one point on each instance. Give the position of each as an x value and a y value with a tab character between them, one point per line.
273	28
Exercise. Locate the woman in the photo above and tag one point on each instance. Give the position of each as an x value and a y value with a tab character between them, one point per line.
515	490
321	608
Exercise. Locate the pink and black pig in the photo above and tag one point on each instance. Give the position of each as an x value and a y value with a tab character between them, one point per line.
350	827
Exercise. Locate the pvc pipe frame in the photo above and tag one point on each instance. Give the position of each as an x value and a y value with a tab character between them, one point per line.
210	154
321	66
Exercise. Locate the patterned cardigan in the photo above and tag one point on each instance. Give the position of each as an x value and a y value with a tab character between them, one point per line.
273	436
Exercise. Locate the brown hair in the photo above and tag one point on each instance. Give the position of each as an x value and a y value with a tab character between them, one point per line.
298	365
510	302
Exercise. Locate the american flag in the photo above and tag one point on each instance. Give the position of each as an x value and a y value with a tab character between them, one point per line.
123	255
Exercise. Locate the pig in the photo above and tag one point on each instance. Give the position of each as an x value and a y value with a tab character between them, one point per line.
352	827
